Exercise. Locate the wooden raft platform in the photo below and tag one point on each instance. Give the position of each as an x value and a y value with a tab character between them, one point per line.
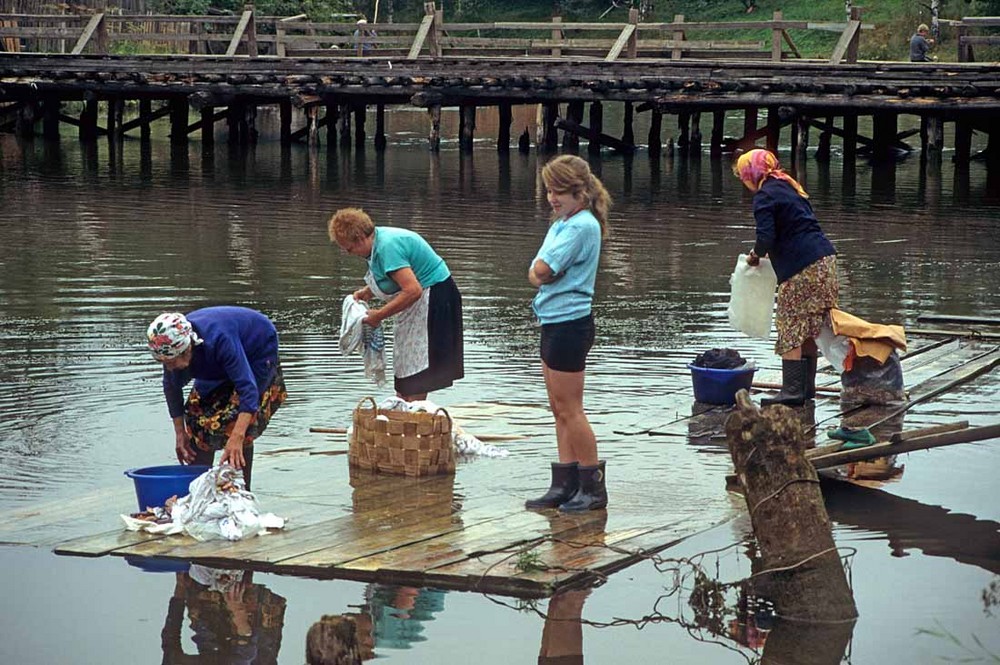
432	531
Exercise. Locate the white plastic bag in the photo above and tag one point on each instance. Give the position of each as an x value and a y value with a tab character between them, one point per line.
834	348
751	299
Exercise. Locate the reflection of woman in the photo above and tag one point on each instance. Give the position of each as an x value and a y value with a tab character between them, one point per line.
232	619
232	355
562	634
564	272
417	287
805	263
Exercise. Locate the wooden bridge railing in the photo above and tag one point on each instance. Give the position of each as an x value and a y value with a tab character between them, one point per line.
252	35
967	42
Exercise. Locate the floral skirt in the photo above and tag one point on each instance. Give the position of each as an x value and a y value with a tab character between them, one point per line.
211	418
803	301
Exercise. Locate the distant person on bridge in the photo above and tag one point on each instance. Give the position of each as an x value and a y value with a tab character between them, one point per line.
805	263
921	44
564	272
417	288
232	355
362	38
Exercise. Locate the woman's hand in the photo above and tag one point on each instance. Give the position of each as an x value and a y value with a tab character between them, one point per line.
363	294
233	452
540	273
753	259
182	446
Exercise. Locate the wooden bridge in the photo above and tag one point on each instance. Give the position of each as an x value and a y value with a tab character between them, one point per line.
322	75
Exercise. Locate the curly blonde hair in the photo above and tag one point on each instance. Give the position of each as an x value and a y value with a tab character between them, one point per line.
350	225
569	174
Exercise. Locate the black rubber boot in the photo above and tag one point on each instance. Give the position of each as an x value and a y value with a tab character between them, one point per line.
810	381
793	384
592	493
565	481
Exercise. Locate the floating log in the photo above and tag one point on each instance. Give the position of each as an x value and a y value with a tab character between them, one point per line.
955	318
802	574
825	461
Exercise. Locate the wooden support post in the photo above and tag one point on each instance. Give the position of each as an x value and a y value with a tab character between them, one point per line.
631	50
654	141
574	113
850	137
678	37
332	121
88	120
344	118
434	137
557	36
550	139
437	48
116	109
628	131
27	115
503	131
773	128
285	120
178	120
380	141
466	127
596	125
801	137
776	37
884	124
963	140
683	132
749	127
718	133
145	110
788	515
825	139
207	127
50	118
360	114
312	125
234	121
694	146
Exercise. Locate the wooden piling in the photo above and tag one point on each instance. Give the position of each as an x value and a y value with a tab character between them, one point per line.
332	120
88	120
773	128
380	141
208	127
434	136
694	147
178	120
963	141
749	127
344	125
285	120
825	140
145	110
312	125
466	127
503	131
360	114
50	118
850	140
653	140
596	125
884	125
574	113
683	132
628	131
801	569
550	139
718	133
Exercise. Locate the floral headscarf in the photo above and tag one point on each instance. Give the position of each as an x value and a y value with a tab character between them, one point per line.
757	165
170	335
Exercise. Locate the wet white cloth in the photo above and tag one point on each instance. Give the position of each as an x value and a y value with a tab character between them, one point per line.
210	512
464	442
356	337
410	347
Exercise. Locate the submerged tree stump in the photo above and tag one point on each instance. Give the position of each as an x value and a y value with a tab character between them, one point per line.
801	570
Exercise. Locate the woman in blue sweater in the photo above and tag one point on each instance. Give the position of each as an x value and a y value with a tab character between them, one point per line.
564	272
232	355
805	263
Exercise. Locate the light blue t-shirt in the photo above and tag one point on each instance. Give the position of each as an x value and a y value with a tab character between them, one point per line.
572	249
401	248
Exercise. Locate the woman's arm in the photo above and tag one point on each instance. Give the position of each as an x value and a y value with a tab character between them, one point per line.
540	273
410	292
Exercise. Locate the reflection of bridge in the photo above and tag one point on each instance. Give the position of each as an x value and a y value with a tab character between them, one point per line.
660	76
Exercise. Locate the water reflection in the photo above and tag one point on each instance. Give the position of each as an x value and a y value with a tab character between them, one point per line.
233	620
562	632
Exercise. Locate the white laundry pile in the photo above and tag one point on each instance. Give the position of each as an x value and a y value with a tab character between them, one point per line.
356	336
463	442
218	507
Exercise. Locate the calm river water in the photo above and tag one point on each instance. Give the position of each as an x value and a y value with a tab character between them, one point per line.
96	243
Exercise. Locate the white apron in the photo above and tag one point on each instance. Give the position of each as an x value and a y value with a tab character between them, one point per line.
409	354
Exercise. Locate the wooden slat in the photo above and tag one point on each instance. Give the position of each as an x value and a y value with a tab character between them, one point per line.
420	37
956	318
920	443
620	43
88	32
844	43
105	543
238	33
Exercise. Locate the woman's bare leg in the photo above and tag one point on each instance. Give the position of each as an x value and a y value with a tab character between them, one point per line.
574	436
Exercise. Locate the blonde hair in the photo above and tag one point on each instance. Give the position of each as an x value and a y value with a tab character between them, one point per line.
350	225
569	174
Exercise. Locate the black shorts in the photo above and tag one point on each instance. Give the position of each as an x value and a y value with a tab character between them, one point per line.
565	345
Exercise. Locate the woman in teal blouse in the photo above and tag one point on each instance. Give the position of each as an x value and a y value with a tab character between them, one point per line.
418	290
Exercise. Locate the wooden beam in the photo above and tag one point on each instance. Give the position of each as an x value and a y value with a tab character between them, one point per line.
620	43
92	26
145	119
918	443
241	28
421	37
840	50
956	318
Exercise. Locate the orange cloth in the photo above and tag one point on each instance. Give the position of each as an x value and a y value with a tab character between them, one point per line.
876	340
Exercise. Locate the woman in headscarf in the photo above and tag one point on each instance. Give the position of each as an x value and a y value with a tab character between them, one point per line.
416	285
804	261
232	355
564	272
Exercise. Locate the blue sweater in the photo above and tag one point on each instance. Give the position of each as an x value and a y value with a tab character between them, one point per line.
787	229
240	346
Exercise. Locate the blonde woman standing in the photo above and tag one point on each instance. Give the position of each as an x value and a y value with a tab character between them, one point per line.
564	272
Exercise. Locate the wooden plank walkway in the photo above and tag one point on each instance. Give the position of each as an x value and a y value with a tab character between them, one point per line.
433	531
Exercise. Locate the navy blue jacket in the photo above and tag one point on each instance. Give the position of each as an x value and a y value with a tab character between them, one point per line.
787	229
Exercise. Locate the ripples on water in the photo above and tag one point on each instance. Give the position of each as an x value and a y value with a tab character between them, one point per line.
96	245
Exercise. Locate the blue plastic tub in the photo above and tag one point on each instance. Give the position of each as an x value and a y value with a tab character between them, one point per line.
155	484
719	386
158	565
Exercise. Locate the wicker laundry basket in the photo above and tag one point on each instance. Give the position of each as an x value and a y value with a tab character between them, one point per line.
403	443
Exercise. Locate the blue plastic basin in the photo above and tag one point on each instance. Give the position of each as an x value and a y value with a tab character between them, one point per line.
158	565
719	386
155	484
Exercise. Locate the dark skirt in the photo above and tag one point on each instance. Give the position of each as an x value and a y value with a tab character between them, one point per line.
211	418
445	346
